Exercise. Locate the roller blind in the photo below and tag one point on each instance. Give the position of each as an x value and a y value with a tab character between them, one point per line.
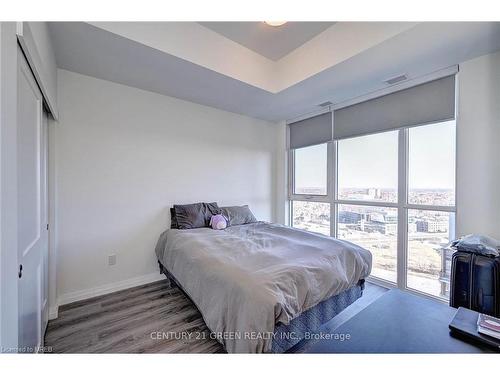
429	102
311	131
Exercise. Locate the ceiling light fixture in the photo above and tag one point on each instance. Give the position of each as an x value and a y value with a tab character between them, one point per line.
275	23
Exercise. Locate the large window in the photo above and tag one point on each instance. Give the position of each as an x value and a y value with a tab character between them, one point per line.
431	196
368	171
392	193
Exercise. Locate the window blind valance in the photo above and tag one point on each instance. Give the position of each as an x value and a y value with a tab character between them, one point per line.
311	131
429	102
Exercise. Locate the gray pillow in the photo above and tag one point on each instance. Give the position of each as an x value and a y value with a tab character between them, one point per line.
238	215
196	215
173	219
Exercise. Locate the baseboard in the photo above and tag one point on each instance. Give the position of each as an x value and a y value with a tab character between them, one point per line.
108	288
53	312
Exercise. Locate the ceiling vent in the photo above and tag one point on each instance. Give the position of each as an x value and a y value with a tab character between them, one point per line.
325	104
397	79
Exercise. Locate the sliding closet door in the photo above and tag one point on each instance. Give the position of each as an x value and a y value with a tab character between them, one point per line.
32	222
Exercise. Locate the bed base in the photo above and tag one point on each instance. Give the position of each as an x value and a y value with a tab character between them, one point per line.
170	278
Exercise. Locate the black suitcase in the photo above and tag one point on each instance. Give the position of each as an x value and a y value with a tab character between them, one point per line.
475	282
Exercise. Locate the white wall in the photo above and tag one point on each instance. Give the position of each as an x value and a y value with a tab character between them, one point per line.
8	187
124	156
478	147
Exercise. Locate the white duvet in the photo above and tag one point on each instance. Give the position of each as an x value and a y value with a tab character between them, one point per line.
247	278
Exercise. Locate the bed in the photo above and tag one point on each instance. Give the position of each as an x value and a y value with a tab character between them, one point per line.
260	287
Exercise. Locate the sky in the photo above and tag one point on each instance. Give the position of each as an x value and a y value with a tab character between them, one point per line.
372	161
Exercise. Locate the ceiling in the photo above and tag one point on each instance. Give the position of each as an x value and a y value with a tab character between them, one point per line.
190	62
268	41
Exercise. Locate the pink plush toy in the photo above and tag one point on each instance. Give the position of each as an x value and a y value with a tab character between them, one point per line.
218	222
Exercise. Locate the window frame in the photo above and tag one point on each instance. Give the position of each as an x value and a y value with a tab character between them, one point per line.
402	205
371	203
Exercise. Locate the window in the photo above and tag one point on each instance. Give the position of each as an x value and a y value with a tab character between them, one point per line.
431	177
375	229
392	193
368	168
311	216
431	199
310	207
368	171
310	170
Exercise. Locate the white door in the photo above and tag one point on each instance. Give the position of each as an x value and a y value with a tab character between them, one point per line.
32	222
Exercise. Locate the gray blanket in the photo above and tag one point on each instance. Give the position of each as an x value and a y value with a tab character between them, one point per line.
247	278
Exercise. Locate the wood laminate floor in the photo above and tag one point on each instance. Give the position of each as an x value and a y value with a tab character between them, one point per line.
153	318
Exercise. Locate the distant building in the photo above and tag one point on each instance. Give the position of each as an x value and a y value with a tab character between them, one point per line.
432	226
370	222
348	217
364	194
391	224
384	223
373	193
